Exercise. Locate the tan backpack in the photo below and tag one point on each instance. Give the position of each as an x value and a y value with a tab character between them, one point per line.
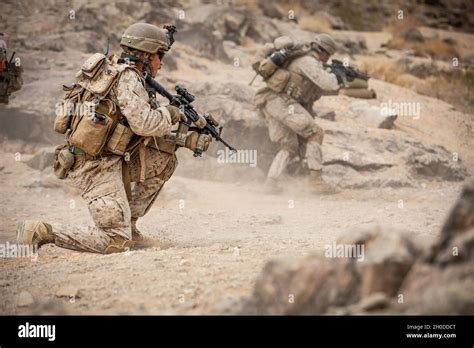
87	115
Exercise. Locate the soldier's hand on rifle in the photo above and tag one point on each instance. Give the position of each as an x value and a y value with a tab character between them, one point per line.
192	141
176	114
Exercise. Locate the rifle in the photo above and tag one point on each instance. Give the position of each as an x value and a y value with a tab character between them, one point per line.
204	124
341	71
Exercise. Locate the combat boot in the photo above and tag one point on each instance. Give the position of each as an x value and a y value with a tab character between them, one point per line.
318	185
141	240
136	234
34	233
118	244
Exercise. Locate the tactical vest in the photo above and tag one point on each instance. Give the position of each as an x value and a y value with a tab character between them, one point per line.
292	82
89	114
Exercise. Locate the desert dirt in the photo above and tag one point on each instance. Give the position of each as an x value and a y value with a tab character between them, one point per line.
221	236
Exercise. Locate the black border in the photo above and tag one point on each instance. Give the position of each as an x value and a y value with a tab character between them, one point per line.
224	330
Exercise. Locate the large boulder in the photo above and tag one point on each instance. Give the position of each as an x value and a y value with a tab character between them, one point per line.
355	156
376	264
388	257
371	115
456	242
431	290
389	273
306	286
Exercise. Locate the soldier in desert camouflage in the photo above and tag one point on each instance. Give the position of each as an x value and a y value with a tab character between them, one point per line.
295	78
10	72
119	150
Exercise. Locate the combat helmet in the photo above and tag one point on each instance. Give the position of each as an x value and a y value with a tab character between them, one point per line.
145	37
326	42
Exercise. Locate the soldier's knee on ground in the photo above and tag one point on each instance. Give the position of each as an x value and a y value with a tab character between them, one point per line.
118	244
110	211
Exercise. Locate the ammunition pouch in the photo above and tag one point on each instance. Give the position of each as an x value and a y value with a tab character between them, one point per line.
267	68
278	81
64	113
300	88
91	132
119	140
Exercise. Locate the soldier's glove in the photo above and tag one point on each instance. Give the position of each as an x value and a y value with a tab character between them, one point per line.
192	140
176	114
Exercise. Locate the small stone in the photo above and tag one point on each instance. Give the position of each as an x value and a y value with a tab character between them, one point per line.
216	246
25	299
375	301
68	291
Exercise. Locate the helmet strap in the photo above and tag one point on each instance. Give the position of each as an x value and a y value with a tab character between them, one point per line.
126	58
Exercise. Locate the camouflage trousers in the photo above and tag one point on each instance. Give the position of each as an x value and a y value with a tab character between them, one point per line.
293	128
102	186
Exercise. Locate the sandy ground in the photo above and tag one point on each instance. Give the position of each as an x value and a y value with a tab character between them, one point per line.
222	234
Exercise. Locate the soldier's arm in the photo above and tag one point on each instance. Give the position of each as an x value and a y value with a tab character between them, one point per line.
134	104
314	70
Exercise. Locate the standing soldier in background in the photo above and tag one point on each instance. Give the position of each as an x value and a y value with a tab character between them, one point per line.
295	78
10	72
121	136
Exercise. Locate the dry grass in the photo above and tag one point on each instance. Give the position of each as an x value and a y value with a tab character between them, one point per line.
455	87
398	25
381	68
316	23
250	4
435	48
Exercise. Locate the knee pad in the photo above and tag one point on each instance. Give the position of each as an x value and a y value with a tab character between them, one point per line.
109	211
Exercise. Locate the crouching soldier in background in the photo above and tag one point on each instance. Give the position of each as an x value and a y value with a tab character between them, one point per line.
10	72
117	134
295	78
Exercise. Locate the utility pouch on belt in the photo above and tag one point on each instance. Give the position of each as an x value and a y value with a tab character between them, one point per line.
119	139
63	161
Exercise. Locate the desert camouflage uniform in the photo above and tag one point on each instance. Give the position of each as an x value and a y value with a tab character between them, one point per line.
101	181
10	79
289	112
